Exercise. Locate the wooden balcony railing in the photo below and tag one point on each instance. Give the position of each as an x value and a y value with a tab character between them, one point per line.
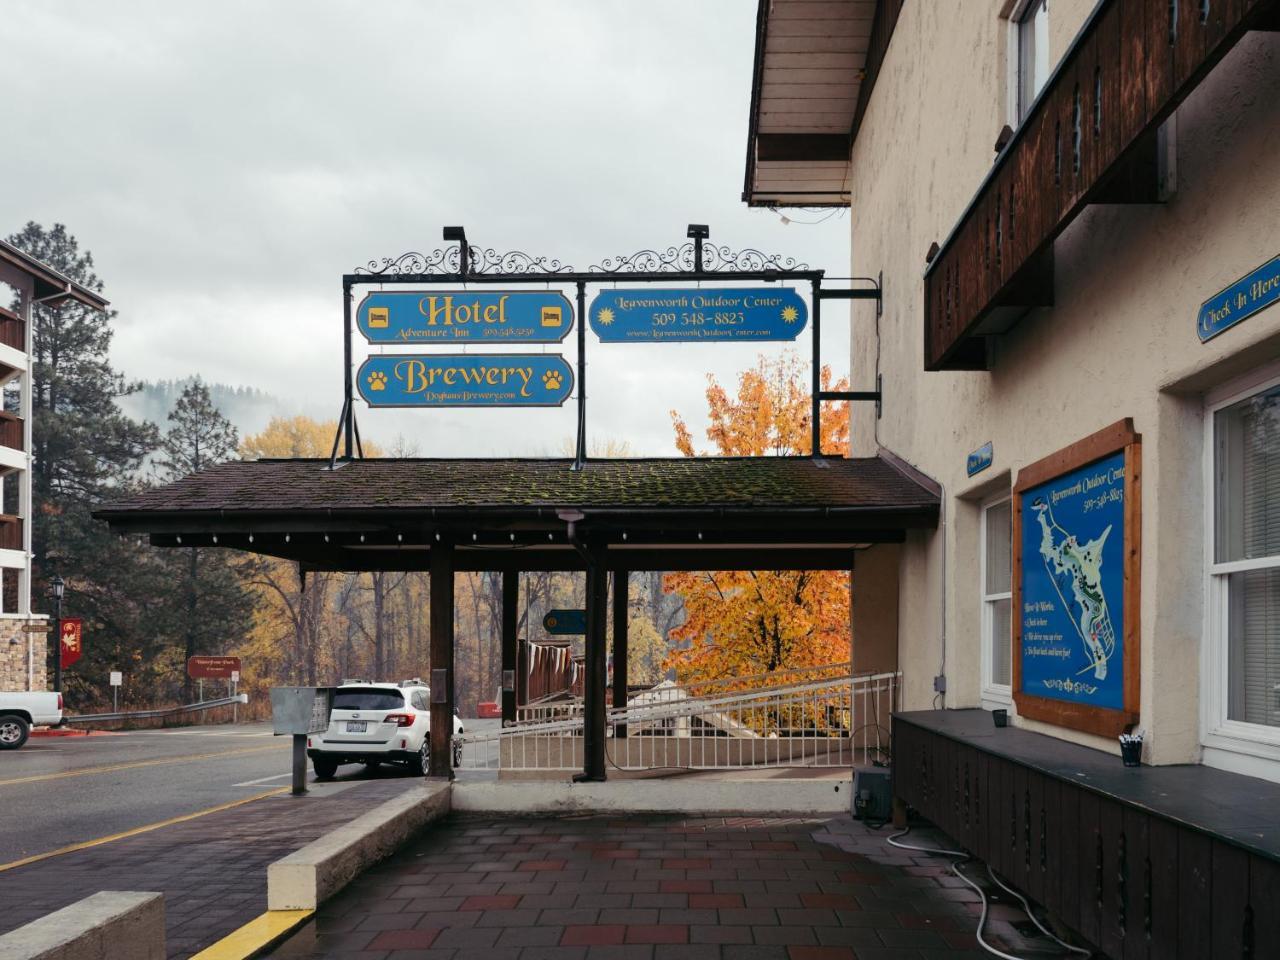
1090	137
10	532
13	331
12	434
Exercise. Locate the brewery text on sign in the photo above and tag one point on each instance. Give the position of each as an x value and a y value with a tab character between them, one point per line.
212	668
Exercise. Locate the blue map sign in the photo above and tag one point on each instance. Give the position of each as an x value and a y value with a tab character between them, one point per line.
1072	614
1251	293
464	316
693	315
980	459
565	623
465	380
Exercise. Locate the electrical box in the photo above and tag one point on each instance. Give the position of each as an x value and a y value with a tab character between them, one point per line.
872	794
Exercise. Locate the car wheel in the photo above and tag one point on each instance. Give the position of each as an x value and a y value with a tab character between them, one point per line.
425	754
457	753
14	731
325	767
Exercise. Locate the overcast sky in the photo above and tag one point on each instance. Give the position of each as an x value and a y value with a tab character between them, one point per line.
227	161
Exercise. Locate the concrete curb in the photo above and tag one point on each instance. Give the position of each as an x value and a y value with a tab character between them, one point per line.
111	925
309	876
778	798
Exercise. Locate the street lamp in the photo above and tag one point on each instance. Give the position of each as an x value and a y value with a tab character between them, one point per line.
57	586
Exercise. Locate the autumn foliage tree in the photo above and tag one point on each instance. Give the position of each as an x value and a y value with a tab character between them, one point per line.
739	623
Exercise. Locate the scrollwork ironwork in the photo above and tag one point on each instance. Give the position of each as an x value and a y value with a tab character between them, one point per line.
681	259
448	262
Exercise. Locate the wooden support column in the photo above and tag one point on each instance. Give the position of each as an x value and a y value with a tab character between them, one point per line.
441	660
510	613
621	598
593	732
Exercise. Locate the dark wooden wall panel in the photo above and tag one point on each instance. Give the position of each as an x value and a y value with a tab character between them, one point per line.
1134	884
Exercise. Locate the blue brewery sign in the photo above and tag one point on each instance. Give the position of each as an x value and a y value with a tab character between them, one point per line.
464	316
980	459
465	380
563	623
1072	614
693	314
1251	293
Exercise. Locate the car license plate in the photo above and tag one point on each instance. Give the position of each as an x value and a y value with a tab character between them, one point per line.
357	726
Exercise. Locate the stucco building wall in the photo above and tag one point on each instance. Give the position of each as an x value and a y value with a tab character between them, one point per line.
1120	340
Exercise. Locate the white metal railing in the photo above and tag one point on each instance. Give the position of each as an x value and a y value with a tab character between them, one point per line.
568	709
827	722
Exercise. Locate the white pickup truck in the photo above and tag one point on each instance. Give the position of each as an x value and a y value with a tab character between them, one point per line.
19	712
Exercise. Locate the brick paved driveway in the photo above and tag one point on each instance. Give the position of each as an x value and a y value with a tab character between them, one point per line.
651	888
211	870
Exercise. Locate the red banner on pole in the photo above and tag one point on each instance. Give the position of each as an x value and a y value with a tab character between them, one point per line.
212	668
71	640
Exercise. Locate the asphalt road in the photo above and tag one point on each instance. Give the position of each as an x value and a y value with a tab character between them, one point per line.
58	791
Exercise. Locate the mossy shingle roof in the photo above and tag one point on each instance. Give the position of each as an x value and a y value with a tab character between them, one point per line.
517	485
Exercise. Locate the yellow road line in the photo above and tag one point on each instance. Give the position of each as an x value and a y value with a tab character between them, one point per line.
86	844
255	936
109	768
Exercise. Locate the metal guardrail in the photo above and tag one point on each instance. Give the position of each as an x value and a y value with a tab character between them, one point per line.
830	722
238	699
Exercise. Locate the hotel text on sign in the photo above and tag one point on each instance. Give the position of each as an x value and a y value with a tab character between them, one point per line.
698	314
464	316
465	380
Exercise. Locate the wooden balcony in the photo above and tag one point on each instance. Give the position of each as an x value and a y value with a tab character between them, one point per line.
13	330
1091	137
12	434
10	532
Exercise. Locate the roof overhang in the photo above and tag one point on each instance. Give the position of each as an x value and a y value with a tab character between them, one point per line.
750	513
810	64
50	286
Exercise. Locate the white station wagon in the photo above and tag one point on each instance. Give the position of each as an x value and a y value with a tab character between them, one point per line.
375	723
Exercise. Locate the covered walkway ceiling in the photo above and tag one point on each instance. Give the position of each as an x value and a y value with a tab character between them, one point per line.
638	514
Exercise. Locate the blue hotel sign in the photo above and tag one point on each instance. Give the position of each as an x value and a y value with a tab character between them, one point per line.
464	316
1256	291
465	380
697	315
1072	589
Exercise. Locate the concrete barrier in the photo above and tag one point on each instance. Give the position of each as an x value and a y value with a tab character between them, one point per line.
111	925
309	876
713	796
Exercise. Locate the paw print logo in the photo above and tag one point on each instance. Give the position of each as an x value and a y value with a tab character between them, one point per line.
377	380
552	380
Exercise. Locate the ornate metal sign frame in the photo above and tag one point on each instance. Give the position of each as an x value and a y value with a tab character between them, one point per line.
693	261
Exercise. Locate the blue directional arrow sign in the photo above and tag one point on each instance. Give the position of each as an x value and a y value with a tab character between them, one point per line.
464	316
465	380
698	315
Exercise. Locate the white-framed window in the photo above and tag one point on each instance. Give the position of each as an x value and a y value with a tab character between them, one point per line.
1241	664
1028	56
996	590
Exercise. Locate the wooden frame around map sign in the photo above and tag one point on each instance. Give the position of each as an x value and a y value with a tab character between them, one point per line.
1103	721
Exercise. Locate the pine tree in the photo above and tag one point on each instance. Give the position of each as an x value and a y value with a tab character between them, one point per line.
214	608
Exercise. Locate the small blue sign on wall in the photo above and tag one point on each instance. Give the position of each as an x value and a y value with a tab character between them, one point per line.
563	623
464	316
465	380
1072	592
1251	293
980	459
698	315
